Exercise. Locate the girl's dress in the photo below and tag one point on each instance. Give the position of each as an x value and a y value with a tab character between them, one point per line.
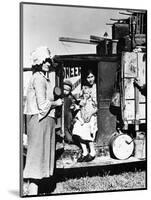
87	130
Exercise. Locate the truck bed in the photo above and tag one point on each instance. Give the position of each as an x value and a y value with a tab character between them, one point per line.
67	158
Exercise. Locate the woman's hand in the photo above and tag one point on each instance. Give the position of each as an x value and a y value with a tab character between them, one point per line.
82	102
82	122
137	83
87	119
59	102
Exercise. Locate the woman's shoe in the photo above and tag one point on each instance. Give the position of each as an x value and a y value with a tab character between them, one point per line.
89	158
82	158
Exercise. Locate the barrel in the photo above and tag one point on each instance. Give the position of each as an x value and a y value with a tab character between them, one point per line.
121	146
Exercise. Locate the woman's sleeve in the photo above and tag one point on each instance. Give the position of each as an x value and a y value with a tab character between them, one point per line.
95	97
44	104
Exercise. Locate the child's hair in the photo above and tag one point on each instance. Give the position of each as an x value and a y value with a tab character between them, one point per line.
86	91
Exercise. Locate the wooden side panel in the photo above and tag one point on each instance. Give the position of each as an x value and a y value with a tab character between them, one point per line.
133	102
142	98
129	88
142	111
129	110
130	65
142	73
142	68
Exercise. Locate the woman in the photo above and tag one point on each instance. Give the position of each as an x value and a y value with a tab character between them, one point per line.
40	108
86	131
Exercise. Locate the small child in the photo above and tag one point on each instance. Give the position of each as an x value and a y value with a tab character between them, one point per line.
88	110
85	125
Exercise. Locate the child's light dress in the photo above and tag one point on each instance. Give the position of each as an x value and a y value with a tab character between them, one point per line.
87	129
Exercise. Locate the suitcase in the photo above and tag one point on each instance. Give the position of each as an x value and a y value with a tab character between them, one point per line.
119	30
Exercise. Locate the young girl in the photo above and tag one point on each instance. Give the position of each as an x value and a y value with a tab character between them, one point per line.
85	126
87	113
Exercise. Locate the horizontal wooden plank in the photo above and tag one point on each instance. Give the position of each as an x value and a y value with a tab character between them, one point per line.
122	13
118	20
109	24
99	39
70	153
137	11
76	40
98	161
85	57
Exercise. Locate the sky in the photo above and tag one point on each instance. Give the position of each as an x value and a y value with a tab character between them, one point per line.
44	24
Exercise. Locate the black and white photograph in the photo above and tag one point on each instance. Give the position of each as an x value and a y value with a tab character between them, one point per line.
83	93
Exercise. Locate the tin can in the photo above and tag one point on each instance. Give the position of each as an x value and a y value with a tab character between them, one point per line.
140	146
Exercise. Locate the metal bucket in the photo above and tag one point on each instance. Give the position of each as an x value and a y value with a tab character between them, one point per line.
140	146
121	146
